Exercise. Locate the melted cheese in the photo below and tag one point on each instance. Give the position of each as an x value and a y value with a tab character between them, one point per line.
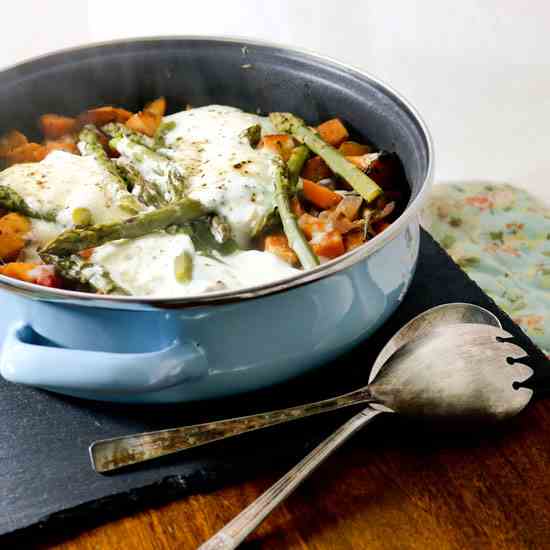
222	170
63	182
41	232
146	267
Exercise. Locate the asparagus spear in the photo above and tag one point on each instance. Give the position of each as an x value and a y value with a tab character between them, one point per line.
252	134
12	201
74	240
154	168
365	186
296	162
79	270
146	192
115	129
89	145
294	234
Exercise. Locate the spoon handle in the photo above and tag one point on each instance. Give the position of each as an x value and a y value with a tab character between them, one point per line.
241	526
110	454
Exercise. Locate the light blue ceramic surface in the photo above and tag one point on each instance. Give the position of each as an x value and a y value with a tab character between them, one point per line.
202	353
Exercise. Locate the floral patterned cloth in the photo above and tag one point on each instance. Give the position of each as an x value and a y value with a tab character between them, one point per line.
500	235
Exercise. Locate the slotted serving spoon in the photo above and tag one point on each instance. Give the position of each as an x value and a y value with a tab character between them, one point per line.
111	454
457	371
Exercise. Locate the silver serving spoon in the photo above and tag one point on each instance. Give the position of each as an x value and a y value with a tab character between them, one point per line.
456	371
110	454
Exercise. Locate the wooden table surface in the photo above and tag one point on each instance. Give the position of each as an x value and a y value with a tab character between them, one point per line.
385	489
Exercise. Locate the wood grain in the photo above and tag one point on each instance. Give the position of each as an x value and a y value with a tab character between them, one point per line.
391	487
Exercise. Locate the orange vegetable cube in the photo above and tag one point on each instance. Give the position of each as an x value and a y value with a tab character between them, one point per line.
320	196
351	148
13	227
333	132
54	126
11	141
316	169
19	270
282	144
330	245
11	245
310	225
158	106
145	122
278	245
30	152
62	145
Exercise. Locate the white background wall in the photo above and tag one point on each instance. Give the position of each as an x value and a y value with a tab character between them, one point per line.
478	70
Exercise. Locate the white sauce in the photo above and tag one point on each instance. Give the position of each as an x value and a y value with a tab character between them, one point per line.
223	171
145	266
63	182
41	232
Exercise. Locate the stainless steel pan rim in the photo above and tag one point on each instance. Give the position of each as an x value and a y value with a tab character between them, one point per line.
30	290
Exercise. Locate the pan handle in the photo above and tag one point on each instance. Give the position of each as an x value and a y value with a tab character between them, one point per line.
24	360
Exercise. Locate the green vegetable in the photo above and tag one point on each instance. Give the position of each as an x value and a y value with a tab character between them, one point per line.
296	162
205	242
365	186
89	145
79	270
160	135
253	135
183	267
82	216
145	191
74	240
156	169
294	234
12	201
115	129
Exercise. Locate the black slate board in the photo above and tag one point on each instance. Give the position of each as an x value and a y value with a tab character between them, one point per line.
45	473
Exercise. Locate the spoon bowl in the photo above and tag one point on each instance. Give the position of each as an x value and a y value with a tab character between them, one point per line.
468	371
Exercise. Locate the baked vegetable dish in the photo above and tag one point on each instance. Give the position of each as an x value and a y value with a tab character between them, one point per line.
205	199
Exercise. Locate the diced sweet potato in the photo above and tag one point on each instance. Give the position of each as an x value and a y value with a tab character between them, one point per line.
102	116
11	245
316	169
310	225
278	245
18	270
30	152
54	126
319	195
351	148
145	122
44	275
122	115
329	245
61	145
15	223
282	144
353	239
333	132
363	162
13	227
158	106
10	141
